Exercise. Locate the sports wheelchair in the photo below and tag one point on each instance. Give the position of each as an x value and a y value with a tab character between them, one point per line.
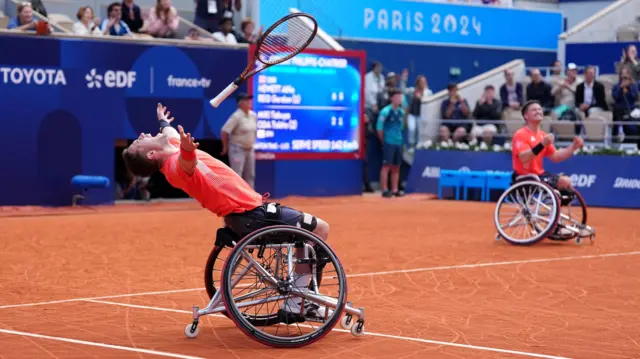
257	286
531	210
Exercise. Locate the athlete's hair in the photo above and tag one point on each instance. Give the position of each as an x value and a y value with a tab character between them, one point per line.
526	106
139	164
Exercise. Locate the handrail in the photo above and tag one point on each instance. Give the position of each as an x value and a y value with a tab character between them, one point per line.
593	18
442	93
126	39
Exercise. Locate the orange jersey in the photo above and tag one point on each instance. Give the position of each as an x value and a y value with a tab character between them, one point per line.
216	186
524	139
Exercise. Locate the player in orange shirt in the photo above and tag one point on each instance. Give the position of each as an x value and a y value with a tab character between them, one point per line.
530	145
220	190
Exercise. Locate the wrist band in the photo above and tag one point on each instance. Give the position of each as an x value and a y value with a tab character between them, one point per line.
187	155
536	150
163	124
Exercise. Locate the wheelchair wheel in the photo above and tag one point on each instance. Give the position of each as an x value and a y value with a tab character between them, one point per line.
576	210
264	283
527	212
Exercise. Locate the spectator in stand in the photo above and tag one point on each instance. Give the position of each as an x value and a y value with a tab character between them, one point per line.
163	20
194	35
455	108
114	25
510	94
225	34
420	92
87	23
487	108
556	72
373	87
564	92
210	13
590	94
538	90
625	95
246	35
24	21
132	16
630	60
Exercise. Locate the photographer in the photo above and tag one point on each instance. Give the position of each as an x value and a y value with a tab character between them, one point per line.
625	95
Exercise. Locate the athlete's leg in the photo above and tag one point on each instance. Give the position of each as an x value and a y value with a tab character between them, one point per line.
564	183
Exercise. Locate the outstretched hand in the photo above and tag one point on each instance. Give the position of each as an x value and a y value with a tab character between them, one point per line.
186	141
578	142
163	114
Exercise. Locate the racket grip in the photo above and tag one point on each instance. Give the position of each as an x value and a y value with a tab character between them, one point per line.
223	95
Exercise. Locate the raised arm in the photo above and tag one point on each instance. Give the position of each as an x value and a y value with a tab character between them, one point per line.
188	159
165	122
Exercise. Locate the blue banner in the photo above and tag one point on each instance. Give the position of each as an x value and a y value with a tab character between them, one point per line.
603	181
605	55
65	102
428	22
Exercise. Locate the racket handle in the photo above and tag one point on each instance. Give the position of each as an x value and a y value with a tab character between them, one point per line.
223	95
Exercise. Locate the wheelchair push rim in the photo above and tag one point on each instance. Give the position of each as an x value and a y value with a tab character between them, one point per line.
268	264
527	212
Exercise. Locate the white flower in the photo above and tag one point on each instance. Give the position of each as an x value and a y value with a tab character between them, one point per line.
483	146
444	144
507	146
497	148
473	142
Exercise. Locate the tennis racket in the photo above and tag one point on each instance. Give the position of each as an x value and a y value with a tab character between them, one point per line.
282	41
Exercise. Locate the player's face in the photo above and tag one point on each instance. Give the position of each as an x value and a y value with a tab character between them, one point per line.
147	143
534	113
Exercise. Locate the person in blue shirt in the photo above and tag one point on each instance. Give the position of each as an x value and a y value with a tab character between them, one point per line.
24	21
625	95
390	128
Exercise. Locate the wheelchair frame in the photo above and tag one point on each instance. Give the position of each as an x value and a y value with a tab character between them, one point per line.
575	229
218	304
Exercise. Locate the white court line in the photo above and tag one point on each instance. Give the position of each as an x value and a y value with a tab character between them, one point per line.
96	344
493	264
427	341
459	266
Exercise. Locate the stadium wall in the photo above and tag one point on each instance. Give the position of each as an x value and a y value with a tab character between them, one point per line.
603	54
432	60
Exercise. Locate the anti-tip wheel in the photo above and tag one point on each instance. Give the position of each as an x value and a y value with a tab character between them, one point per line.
578	240
191	334
498	237
347	322
357	329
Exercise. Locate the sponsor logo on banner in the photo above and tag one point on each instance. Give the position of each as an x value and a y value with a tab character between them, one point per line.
32	76
582	180
110	79
182	82
627	183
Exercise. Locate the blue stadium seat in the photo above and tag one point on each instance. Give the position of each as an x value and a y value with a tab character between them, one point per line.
450	178
84	183
474	179
495	181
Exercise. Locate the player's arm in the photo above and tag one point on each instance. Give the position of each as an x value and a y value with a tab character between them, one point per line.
187	159
526	153
165	122
565	153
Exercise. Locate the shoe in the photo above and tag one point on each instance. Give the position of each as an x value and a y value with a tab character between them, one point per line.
399	194
291	313
387	194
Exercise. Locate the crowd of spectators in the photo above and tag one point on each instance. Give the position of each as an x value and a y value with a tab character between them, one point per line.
160	21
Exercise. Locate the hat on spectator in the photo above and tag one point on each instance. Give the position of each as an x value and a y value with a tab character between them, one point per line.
243	96
572	66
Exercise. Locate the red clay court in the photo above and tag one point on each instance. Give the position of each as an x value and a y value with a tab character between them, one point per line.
120	282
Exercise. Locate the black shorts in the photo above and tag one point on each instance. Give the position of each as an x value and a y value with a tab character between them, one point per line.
549	178
257	218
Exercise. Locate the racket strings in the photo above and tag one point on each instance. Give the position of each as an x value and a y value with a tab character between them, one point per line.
287	39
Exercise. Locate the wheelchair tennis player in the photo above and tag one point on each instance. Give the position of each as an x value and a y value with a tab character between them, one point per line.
220	190
530	145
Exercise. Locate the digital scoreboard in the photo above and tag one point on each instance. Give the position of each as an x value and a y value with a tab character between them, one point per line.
311	105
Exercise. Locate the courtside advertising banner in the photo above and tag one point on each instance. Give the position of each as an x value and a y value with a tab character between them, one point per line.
603	181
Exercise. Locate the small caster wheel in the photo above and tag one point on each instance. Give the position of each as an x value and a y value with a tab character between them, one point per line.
347	322
498	237
191	330
358	328
578	240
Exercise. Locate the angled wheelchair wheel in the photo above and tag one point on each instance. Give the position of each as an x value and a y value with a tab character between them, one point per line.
573	216
527	212
276	276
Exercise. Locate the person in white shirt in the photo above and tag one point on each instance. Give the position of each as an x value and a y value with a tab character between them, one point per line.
239	137
226	32
87	23
374	83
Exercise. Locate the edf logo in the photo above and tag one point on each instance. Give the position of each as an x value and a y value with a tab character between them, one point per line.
582	180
